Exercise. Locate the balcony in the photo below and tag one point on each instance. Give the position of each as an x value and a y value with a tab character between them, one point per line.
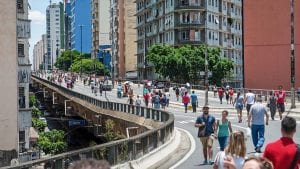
186	5
23	28
191	24
189	42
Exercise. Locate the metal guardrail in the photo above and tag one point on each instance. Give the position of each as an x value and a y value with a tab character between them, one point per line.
115	152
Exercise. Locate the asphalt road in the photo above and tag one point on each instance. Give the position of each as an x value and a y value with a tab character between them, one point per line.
186	121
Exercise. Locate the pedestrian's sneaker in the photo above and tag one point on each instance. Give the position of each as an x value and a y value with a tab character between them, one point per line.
257	149
210	162
205	162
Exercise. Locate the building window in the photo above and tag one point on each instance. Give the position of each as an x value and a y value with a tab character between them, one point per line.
209	35
22	103
21	52
216	3
209	2
209	17
213	3
20	5
21	136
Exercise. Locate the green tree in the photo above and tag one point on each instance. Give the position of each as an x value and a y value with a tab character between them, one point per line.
39	124
35	112
89	66
110	134
52	142
32	101
186	62
66	59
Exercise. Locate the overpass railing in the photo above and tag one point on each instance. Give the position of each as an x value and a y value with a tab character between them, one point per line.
116	152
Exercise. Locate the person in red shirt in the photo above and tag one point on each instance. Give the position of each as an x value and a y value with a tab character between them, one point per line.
146	99
221	94
185	100
283	151
280	95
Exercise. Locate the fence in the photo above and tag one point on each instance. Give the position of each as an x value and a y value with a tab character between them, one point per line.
115	152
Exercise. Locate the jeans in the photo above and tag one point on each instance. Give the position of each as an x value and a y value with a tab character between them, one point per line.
257	133
223	142
185	107
194	105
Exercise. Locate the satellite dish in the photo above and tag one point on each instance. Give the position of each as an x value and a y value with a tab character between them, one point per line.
14	162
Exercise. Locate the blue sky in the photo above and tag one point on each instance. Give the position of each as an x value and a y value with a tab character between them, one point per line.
37	15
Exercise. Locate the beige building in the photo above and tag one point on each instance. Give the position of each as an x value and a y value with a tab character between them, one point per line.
123	36
39	51
101	25
8	85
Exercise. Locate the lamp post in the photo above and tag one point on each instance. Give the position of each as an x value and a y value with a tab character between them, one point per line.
206	77
81	49
293	105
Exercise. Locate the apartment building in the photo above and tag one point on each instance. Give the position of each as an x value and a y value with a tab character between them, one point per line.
55	32
24	75
123	35
39	53
217	23
9	84
81	26
67	14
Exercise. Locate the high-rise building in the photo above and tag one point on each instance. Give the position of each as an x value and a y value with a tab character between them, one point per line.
217	23
55	32
39	52
100	25
68	34
8	86
81	26
267	44
123	35
24	75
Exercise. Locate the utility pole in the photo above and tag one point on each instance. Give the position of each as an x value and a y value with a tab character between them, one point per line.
206	77
293	105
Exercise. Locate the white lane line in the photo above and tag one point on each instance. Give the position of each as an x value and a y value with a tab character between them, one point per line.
192	149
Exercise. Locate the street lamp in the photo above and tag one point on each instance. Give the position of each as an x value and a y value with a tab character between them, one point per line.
81	49
293	105
206	78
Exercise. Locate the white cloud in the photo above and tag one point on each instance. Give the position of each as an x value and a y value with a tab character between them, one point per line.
37	17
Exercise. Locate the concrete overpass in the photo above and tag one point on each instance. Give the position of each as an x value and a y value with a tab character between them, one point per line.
153	127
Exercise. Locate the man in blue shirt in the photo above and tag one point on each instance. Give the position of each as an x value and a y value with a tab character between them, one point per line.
194	101
207	125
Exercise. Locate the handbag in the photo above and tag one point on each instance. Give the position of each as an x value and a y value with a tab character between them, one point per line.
201	131
296	157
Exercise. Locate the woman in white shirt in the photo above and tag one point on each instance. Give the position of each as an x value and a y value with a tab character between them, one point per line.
236	149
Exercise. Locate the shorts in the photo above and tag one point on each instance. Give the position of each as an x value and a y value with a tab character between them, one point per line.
207	141
248	107
281	107
239	107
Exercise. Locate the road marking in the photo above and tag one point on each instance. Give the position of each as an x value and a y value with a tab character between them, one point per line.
192	149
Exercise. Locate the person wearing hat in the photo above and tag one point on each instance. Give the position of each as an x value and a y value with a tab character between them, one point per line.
257	124
206	125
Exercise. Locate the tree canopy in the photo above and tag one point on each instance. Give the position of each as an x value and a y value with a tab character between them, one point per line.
185	63
52	142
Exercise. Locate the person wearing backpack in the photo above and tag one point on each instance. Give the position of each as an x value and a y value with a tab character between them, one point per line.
284	153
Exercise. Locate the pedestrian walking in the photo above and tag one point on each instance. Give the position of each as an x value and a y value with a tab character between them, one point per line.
272	104
298	94
231	93
256	122
227	95
185	101
239	105
147	99
249	101
177	93
223	128
215	89
236	150
138	103
194	101
101	88
283	151
206	125
156	101
280	95
220	94
119	91
167	99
